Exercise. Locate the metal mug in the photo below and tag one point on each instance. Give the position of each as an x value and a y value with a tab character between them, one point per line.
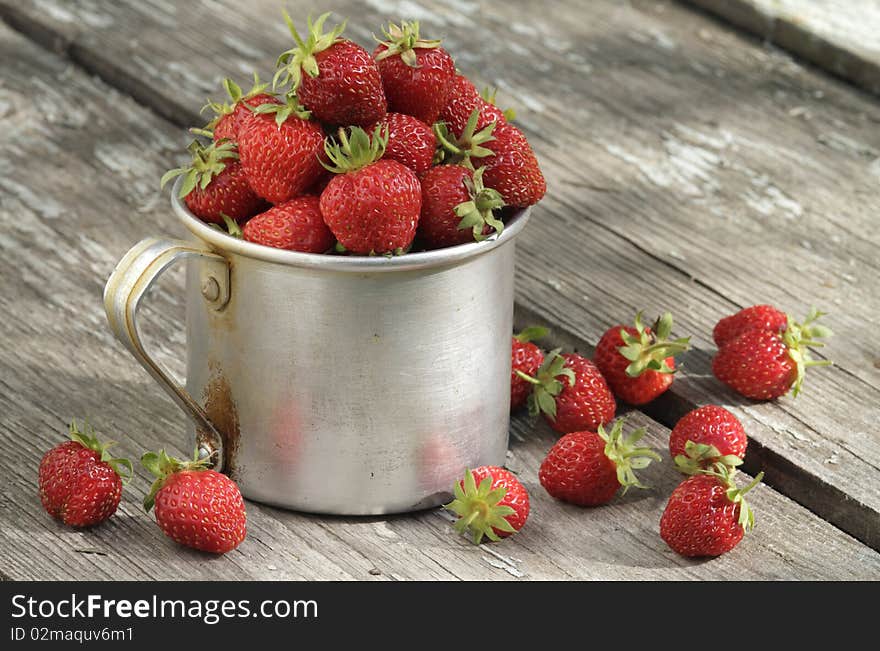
335	384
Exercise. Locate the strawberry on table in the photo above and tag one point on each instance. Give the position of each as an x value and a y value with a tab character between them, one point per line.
456	207
410	141
372	206
417	74
280	150
756	317
491	502
80	481
526	358
707	514
638	362
215	183
580	401
295	225
336	79
588	468
195	506
766	364
706	436
228	115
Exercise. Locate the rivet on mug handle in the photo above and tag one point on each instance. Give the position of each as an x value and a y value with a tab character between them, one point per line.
128	284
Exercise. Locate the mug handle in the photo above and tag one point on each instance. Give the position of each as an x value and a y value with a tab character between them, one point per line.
133	276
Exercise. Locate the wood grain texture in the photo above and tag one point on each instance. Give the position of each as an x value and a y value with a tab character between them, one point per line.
688	170
840	36
63	235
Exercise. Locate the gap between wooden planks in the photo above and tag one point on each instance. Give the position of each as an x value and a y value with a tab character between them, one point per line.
656	164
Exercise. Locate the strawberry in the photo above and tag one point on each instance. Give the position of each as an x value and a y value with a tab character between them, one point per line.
410	141
336	79
372	206
491	502
195	506
513	170
526	358
705	436
280	150
417	74
511	166
228	116
760	317
456	208
707	514
295	225
580	401
588	468
80	482
638	362
214	183
765	364
462	101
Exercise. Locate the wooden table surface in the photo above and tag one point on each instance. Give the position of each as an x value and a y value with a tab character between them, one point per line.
689	168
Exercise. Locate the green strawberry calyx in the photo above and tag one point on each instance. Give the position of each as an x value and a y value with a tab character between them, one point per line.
488	94
479	211
349	152
625	454
547	385
87	438
232	228
163	466
301	58
798	337
235	94
647	351
470	145
532	333
735	494
698	456
283	110
207	162
479	508
403	40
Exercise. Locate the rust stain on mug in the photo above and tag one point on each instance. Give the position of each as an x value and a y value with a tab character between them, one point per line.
221	410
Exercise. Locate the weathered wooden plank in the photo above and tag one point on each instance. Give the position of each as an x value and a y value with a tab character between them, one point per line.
60	241
840	36
692	170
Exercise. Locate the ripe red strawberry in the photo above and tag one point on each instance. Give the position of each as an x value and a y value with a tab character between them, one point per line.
462	101
760	317
513	168
707	514
588	468
371	206
80	482
705	436
526	358
410	142
336	79
581	401
765	364
456	208
491	502
280	150
638	362
416	74
214	183
228	116
295	225
195	506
